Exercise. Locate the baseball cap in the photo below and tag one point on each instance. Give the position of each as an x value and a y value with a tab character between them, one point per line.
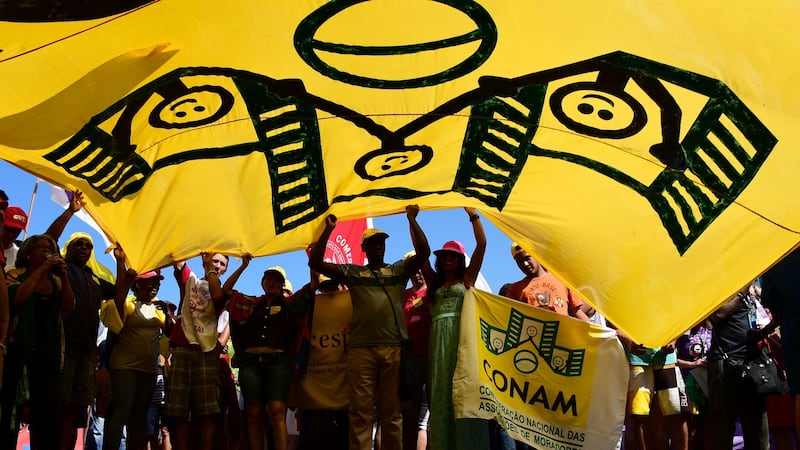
516	249
15	217
452	246
371	233
151	274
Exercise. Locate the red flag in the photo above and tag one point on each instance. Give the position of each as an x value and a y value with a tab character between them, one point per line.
344	245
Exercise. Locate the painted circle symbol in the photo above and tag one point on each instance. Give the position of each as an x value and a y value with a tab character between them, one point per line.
309	47
384	163
591	109
196	106
526	361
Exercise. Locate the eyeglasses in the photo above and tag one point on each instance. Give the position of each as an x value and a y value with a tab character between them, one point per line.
43	246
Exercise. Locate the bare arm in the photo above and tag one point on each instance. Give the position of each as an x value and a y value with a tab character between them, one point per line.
627	342
476	260
28	287
317	256
225	336
727	308
579	314
428	274
57	227
212	276
227	288
422	251
124	282
181	281
169	319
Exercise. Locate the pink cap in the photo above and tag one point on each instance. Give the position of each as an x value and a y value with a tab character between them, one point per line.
452	246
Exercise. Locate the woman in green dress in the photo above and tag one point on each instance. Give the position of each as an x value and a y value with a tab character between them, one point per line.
447	285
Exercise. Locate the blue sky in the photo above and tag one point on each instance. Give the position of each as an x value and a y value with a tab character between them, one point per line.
439	226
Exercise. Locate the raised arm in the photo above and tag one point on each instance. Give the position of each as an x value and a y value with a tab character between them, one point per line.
181	273
57	227
316	258
227	288
212	276
476	260
125	278
422	251
313	274
727	308
28	287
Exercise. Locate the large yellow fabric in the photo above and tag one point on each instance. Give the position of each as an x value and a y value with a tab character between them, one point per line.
643	151
550	380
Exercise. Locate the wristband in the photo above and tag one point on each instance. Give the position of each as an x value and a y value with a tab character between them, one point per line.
474	217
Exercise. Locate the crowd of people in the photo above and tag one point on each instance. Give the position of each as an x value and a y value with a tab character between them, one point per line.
85	348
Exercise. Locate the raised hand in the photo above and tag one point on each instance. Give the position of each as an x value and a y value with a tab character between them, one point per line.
76	202
246	258
330	221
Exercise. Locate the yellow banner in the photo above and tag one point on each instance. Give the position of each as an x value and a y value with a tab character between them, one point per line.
638	149
550	380
325	385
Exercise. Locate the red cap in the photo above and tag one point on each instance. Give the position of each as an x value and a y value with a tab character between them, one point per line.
452	246
15	217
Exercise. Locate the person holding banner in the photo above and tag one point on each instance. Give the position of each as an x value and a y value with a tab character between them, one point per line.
447	284
191	389
92	283
139	320
542	289
261	330
373	357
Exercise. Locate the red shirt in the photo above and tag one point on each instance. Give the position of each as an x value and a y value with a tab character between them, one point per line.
418	320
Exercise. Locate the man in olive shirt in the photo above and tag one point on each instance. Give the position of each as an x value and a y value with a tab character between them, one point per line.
377	291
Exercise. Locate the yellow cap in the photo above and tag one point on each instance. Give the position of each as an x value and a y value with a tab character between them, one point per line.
516	249
372	232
